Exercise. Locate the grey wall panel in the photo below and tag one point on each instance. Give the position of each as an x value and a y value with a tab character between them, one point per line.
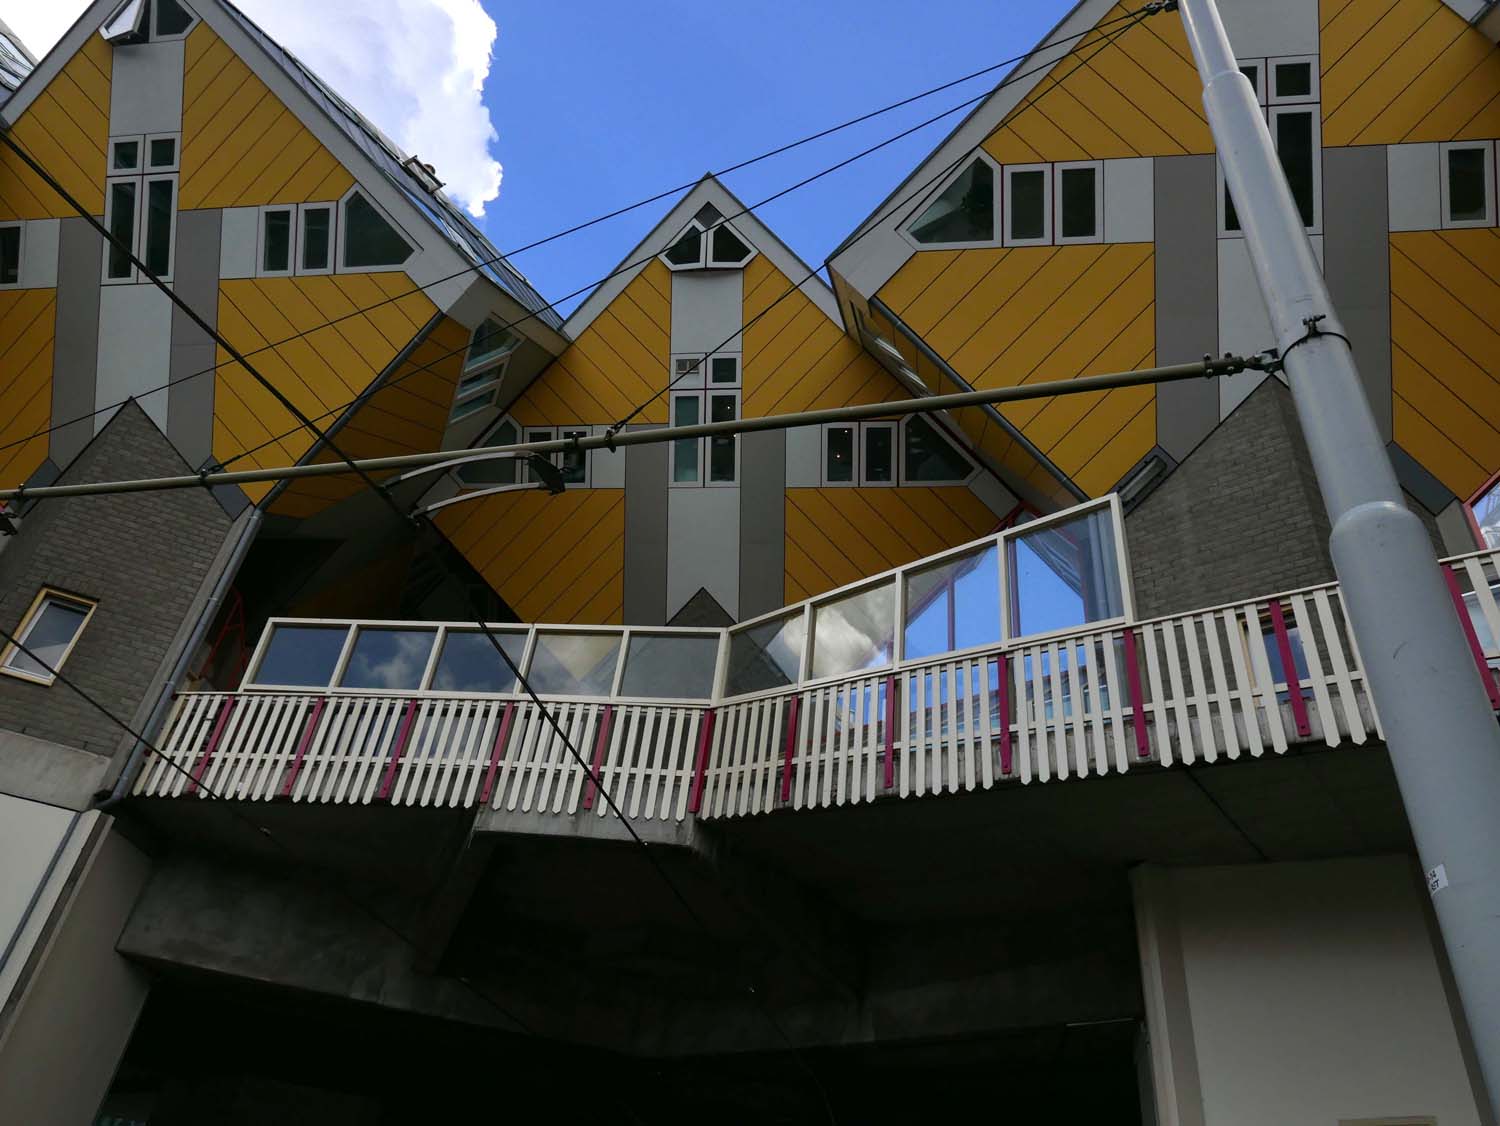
762	522
75	357
703	547
1357	264
707	308
190	403
145	90
646	535
1187	310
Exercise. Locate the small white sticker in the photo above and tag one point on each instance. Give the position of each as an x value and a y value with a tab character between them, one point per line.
1437	879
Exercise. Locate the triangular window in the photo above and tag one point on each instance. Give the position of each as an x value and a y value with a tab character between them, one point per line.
715	245
128	23
171	19
687	251
369	239
729	248
964	212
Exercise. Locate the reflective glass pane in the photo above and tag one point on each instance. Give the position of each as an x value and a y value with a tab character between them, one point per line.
1028	204
121	228
127	155
724	369
51	631
855	632
491	339
685	450
766	655
171	18
157	253
1486	509
954	605
388	658
276	254
880	454
316	243
575	463
729	248
10	255
721	448
688	250
672	666
1079	212
301	656
469	663
929	457
501	471
965	212
163	152
1466	194
369	240
1065	575
574	664
1294	146
1293	80
838	462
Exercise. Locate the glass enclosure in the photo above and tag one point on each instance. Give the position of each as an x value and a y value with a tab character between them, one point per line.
1054	574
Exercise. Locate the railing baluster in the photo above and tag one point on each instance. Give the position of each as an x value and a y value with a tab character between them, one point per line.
1202	708
1243	681
1486	675
1158	697
1289	669
1348	701
1002	687
226	709
1117	694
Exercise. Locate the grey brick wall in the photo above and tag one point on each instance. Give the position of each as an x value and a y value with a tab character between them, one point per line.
1240	517
142	556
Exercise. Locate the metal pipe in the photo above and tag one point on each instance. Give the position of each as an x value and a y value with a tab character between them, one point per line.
1205	368
1443	739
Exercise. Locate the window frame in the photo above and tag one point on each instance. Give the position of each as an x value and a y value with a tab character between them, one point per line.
20	226
672	399
904	476
139	139
1487	148
997	170
299	234
710	263
1267	91
700	264
1489	486
1260	77
143	213
291	241
825	437
1272	113
564	432
862	453
129	277
708	365
340	265
1007	209
709	395
142	182
149	169
28	622
1057	201
193	21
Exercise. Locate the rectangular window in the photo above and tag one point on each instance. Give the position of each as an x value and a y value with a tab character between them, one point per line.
1293	79
575	463
161	153
120	221
535	435
156	246
1080	190
1468	185
1296	144
1255	71
723	449
1027	200
10	254
315	238
687	371
49	630
838	454
878	464
724	371
687	410
276	240
125	155
1064	573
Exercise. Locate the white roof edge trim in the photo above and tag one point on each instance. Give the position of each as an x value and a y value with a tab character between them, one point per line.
968	134
760	237
53	61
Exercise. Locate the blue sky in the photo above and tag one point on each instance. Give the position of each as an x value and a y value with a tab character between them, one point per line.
598	104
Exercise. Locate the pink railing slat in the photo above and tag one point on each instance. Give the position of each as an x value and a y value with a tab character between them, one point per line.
599	745
295	768
700	762
1289	668
1002	670
1486	674
791	748
1137	698
890	733
225	710
497	752
388	783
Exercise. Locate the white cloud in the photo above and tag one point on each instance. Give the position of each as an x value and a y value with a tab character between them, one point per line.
416	68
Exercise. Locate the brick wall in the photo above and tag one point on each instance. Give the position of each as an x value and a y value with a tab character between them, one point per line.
1241	516
142	556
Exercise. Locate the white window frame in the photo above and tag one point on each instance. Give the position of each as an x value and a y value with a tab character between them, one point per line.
708	255
1057	201
149	169
534	434
1260	77
1312	110
702	261
261	271
865	428
146	181
340	266
997	170
691	378
142	182
588	458
298	237
856	445
1007	211
708	396
672	400
192	23
28	623
19	225
708	370
1444	210
140	151
1268	94
904	475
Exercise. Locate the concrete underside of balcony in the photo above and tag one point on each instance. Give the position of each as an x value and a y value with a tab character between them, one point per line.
904	921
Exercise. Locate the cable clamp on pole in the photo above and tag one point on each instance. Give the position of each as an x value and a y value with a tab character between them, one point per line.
209	466
1311	324
609	435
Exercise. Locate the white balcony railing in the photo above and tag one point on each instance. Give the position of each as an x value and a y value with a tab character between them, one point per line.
1225	682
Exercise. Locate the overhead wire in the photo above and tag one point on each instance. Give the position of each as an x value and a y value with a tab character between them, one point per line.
479	266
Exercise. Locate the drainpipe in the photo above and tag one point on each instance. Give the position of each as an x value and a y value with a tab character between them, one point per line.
1443	739
251	524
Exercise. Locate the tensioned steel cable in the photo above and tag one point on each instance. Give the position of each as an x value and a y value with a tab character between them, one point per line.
1133	18
479	266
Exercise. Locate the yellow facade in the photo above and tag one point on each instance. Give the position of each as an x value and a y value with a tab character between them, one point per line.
66	130
27	321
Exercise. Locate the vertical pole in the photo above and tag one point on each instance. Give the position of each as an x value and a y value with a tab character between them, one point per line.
1443	739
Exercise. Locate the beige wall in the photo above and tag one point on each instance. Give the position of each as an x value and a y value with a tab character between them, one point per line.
1296	994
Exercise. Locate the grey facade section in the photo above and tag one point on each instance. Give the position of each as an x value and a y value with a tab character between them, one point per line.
762	522
75	352
1187	296
1432	493
190	400
1357	264
143	557
1240	517
646	535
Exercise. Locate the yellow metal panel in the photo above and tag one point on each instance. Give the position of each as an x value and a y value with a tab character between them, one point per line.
919	271
1441	456
1360	84
948	289
1048	422
27	327
1116	457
